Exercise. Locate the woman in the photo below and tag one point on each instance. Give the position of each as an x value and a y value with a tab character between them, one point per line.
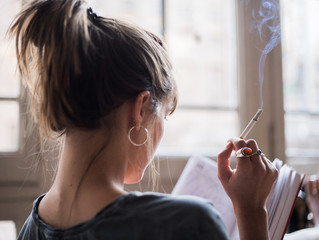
106	87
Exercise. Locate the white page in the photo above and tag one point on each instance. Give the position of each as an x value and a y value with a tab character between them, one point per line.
275	200
199	178
281	198
294	188
278	164
281	207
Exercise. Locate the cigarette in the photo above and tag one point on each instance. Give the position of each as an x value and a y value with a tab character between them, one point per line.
251	124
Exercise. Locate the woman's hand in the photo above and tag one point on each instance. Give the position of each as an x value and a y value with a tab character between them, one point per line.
250	183
248	187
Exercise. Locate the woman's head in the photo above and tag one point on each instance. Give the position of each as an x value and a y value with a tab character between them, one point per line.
81	67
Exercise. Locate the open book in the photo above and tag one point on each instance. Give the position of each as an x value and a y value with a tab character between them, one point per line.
199	178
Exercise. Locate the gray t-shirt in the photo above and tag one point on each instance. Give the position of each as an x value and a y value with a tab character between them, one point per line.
137	216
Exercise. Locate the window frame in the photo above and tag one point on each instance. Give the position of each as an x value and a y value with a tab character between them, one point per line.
18	160
184	154
269	131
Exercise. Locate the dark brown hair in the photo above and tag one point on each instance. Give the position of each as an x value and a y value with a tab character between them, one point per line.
80	67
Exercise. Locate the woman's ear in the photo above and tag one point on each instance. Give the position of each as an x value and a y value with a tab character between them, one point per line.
139	108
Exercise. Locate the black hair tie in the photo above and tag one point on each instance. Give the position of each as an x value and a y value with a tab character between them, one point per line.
92	15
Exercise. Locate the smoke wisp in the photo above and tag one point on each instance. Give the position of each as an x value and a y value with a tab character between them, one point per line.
266	20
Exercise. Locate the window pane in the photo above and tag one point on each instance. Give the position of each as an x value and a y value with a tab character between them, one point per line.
301	54
300	38
302	132
201	38
190	131
9	126
9	80
202	42
145	13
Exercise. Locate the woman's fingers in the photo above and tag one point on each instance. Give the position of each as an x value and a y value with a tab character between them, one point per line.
254	147
245	163
270	167
251	181
238	143
224	170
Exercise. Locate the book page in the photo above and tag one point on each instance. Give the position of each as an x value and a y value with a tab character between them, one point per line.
280	187
295	184
278	164
199	178
282	198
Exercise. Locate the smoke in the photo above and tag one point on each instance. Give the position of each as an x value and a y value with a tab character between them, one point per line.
267	23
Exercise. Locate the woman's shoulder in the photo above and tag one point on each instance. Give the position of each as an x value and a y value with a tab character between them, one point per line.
190	214
172	206
162	200
147	214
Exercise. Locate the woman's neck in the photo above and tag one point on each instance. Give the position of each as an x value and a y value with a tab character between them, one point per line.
90	176
91	156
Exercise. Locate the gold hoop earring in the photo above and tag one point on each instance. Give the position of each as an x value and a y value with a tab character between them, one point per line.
134	143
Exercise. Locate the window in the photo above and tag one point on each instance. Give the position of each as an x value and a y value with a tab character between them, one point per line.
201	40
145	13
9	81
288	128
18	185
215	55
300	43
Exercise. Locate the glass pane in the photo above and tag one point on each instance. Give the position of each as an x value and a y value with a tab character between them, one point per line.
302	131
201	37
300	37
9	79
191	131
9	126
145	13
